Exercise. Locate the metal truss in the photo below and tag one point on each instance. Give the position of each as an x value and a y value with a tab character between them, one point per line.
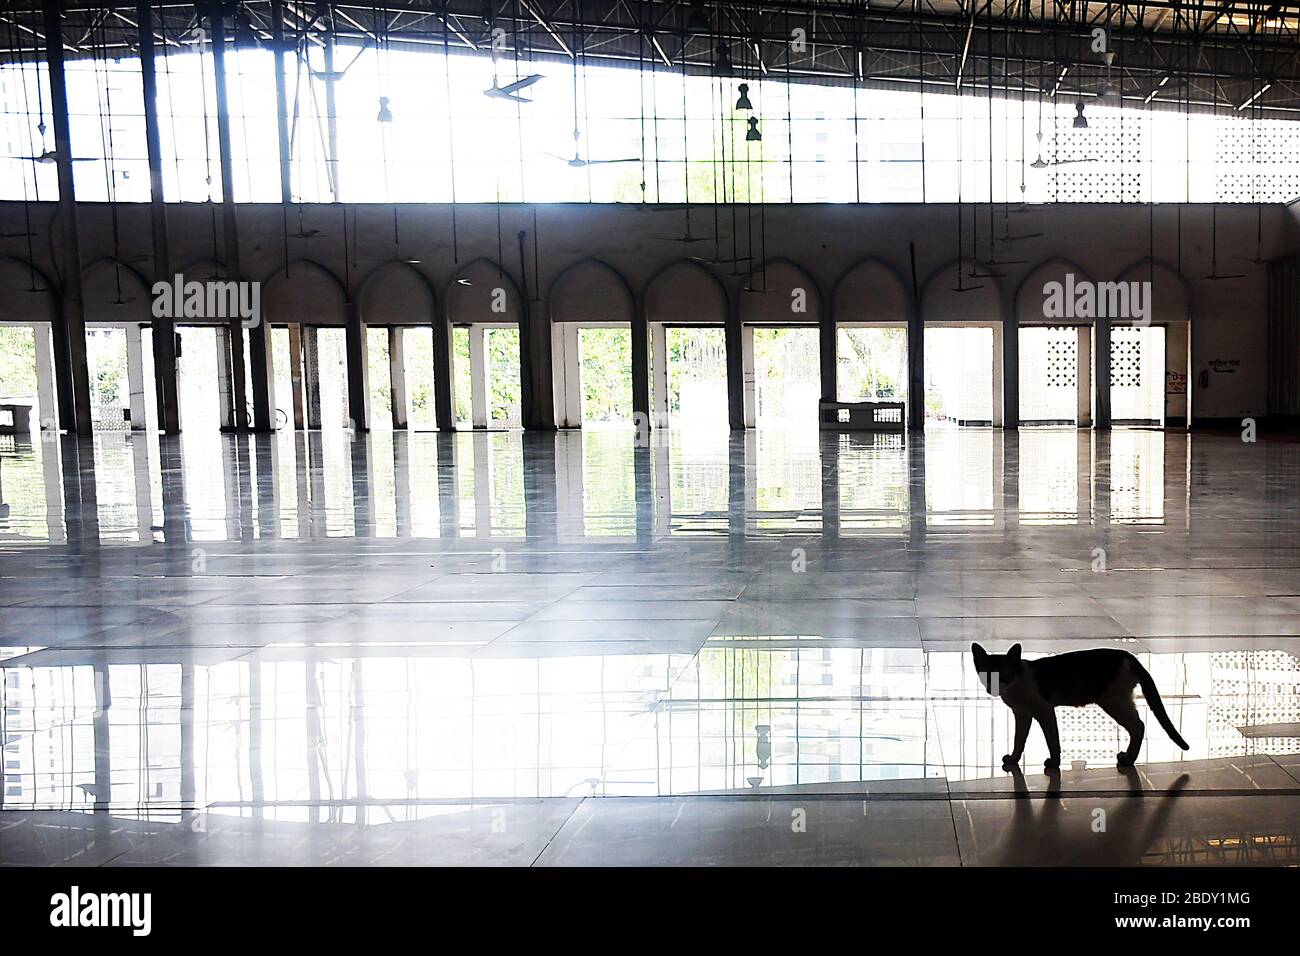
1227	56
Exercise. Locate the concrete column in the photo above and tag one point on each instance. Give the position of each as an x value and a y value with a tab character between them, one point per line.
397	376
46	388
311	375
640	364
295	372
659	374
444	378
735	370
1002	368
358	366
70	336
1101	376
916	368
1083	379
827	352
135	376
748	383
479	384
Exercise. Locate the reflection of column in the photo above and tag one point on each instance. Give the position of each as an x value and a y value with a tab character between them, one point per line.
311	374
171	465
316	470
1007	474
747	375
143	487
296	373
363	504
186	719
1085	468
402	484
643	477
541	507
663	488
397	375
571	511
52	475
482	486
267	482
1083	378
100	732
135	376
659	374
315	740
448	495
80	496
1101	473
916	489
736	495
479	384
830	460
45	388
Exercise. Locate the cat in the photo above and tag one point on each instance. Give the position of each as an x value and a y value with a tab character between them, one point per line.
1103	676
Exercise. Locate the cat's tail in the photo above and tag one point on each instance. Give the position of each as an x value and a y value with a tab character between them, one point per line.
1152	695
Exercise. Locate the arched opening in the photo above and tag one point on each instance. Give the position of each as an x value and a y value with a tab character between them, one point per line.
1055	354
686	311
313	363
591	309
398	311
963	349
871	307
119	346
780	314
484	308
27	384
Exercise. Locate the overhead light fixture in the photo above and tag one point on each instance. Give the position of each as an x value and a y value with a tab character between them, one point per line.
1159	86
1080	121
722	62
752	134
742	103
385	114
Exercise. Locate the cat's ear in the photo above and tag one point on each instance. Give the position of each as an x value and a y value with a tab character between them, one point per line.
979	654
1013	655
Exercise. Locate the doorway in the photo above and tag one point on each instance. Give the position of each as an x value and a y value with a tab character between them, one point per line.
959	375
1050	388
696	386
1137	376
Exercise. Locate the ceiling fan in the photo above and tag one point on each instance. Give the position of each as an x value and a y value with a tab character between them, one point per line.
511	90
577	162
51	156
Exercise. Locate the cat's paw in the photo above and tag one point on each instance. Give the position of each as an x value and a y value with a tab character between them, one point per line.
1051	765
1008	761
1123	760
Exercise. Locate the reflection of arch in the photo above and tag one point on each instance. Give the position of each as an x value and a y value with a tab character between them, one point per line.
768	294
685	291
870	290
115	292
940	303
396	293
473	302
304	291
18	279
590	290
1172	300
1028	297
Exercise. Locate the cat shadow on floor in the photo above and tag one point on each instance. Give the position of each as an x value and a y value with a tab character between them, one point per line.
1084	830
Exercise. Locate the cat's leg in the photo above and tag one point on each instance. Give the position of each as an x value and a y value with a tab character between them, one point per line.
1048	721
1125	713
1023	722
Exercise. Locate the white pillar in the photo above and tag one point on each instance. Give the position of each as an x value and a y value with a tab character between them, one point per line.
479	385
1083	378
566	367
659	375
225	376
747	375
48	406
397	376
135	376
999	391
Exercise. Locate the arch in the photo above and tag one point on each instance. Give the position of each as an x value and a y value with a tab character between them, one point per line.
304	291
27	291
1172	296
939	303
396	293
676	291
780	277
474	300
101	282
203	269
870	290
1027	301
590	290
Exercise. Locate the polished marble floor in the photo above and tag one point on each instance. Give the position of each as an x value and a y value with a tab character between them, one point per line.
565	649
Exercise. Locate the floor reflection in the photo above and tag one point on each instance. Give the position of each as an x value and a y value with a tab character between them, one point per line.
215	646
